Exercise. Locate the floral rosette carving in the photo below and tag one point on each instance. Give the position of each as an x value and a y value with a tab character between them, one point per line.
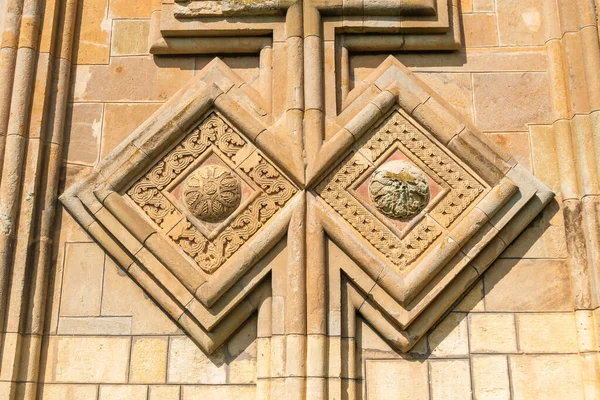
399	190
212	193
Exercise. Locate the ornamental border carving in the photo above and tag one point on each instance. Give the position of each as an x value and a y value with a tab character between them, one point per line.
210	307
396	129
213	133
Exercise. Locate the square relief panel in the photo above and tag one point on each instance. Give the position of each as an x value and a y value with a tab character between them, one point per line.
419	200
190	203
401	190
210	194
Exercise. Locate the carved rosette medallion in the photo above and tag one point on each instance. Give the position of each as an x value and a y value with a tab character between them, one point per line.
397	132
399	190
216	135
212	193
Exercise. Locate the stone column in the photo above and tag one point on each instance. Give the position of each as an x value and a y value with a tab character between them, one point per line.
36	70
574	65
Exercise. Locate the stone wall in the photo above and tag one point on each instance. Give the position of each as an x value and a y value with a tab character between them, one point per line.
524	325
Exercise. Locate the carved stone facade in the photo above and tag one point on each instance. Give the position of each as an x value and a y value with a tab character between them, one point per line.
286	199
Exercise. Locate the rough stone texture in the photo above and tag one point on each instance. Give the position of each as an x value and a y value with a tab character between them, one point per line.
88	359
490	377
148	360
509	101
130	38
490	292
450	379
492	333
546	377
398	379
514	285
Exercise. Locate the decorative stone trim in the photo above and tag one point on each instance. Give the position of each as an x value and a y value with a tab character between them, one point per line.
122	206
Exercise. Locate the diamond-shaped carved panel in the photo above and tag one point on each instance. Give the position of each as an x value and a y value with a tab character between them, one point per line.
191	201
397	138
420	201
214	135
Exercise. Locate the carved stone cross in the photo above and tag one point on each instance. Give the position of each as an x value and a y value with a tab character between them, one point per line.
391	203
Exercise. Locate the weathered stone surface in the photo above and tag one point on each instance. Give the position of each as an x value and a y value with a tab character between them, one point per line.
492	333
215	391
450	338
547	333
147	79
129	9
92	44
528	285
517	144
546	376
94	326
521	23
123	392
480	30
120	120
450	379
69	392
509	101
121	296
490	377
82	280
398	379
130	37
164	393
148	360
85	130
188	364
88	359
308	288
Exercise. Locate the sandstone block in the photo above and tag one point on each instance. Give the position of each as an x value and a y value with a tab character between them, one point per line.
88	359
547	333
492	333
130	37
84	127
480	30
521	22
490	377
94	326
68	392
450	338
450	380
544	238
121	296
121	119
92	36
82	280
466	6
123	392
242	353
188	364
528	285
133	9
164	393
509	101
219	392
483	5
549	377
148	360
517	144
397	379
148	79
473	301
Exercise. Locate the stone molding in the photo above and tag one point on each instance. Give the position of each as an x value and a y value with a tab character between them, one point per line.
319	121
148	249
457	240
